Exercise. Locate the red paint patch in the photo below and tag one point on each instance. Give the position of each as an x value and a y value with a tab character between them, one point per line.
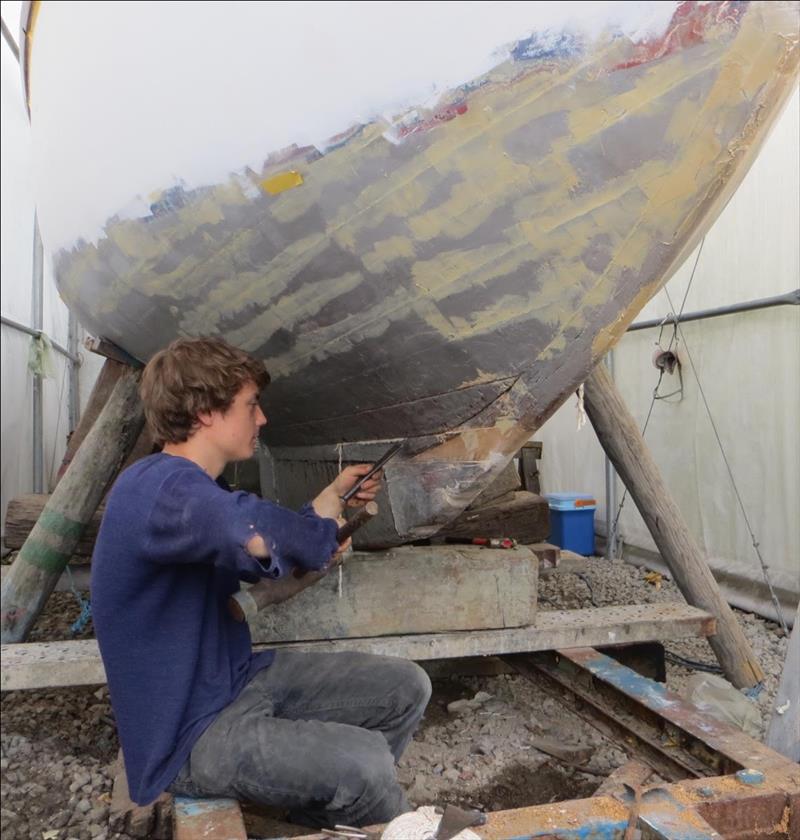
686	29
450	112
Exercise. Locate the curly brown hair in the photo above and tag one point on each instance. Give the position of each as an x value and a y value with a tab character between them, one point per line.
194	376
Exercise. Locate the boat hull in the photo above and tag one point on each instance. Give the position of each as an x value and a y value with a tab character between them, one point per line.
450	272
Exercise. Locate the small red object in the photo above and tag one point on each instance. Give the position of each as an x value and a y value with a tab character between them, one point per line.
499	542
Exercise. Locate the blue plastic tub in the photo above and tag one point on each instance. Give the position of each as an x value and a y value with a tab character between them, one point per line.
572	521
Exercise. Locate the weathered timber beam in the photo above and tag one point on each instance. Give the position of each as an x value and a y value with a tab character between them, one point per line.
54	664
47	550
620	437
23	513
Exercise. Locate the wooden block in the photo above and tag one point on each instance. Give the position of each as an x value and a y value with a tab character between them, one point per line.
568	753
56	664
208	819
410	590
529	467
125	816
525	517
505	484
632	773
21	516
549	555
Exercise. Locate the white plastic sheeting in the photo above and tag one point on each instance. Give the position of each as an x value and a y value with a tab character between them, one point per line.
16	261
749	367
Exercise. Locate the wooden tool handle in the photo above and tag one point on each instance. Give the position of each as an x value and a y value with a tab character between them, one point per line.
246	603
363	516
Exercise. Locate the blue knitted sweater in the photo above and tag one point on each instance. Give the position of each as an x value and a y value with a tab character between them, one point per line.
169	553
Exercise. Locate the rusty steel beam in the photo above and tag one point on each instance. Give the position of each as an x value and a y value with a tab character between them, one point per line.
698	809
758	796
640	732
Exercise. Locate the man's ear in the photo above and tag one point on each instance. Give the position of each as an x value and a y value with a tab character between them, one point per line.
203	419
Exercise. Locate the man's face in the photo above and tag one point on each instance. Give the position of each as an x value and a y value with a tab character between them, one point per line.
236	431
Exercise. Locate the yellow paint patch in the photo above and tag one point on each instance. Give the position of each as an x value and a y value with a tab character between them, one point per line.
386	251
282	182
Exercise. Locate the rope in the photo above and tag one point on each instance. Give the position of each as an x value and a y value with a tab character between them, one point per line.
58	422
675	321
582	418
79	625
340	450
756	545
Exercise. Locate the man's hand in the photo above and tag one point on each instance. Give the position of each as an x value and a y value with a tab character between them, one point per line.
329	503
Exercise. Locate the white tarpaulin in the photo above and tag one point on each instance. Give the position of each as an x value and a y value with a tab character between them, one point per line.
16	259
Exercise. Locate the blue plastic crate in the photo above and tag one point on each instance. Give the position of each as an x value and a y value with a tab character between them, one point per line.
572	521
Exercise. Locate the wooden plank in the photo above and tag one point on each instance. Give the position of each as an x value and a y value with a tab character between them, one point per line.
53	664
525	517
410	590
783	730
208	819
622	441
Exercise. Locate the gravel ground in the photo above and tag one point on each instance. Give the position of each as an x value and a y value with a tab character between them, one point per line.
56	746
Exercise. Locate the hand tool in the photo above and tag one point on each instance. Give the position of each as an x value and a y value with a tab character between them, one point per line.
375	467
455	820
244	605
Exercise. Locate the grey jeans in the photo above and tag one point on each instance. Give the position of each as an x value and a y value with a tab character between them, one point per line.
316	733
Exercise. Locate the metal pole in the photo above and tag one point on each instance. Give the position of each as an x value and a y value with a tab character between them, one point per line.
15	325
74	399
37	319
789	299
611	485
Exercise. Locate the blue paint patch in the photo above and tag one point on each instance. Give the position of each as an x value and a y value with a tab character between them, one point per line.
188	807
751	777
600	830
547	45
650	693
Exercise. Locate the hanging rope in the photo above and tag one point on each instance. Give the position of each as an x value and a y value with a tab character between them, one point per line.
79	625
58	422
340	450
582	418
675	320
756	545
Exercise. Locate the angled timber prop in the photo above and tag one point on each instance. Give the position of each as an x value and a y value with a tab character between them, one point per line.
49	546
620	438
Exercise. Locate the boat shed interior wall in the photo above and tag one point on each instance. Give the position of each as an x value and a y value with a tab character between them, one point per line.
748	365
16	261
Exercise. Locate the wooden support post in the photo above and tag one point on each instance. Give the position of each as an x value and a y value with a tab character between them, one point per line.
620	437
783	731
47	550
104	384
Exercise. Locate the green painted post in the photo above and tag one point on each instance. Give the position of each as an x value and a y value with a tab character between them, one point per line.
49	546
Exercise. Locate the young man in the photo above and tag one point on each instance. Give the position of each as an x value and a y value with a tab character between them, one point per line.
197	712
